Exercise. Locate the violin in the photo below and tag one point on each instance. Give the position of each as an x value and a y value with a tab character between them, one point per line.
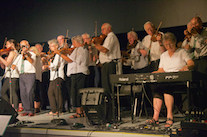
187	34
129	47
154	36
26	55
62	51
99	40
5	51
197	29
66	50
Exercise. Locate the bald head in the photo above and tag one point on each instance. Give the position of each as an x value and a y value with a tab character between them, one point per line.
106	28
24	43
196	22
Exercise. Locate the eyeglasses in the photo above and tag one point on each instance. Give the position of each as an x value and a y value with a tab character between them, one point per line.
24	46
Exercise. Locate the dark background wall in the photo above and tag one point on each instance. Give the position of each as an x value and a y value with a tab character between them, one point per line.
42	20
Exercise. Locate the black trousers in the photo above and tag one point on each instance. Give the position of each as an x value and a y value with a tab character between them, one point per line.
55	95
106	70
91	77
37	91
5	91
78	81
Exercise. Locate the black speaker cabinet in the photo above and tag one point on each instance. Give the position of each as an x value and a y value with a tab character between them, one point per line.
193	129
7	109
94	105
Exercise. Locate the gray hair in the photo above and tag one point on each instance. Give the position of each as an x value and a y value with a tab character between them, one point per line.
169	36
78	39
148	22
107	25
53	41
88	35
133	33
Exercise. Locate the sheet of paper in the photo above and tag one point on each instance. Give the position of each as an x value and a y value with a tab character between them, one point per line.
4	121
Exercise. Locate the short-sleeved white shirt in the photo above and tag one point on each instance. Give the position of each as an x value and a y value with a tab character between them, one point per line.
112	44
80	60
174	63
28	67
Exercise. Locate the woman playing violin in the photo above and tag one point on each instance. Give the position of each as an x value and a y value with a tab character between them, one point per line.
77	69
11	49
55	66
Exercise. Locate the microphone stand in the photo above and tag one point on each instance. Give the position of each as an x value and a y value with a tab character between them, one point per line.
58	121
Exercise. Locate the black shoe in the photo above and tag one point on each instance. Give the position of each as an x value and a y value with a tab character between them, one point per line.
37	110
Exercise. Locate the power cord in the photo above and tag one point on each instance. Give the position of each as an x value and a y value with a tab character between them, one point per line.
149	99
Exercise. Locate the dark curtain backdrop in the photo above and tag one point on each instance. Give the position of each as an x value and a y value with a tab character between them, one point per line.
42	20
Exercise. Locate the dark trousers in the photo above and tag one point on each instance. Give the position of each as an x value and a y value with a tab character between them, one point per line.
154	65
78	81
37	91
5	91
68	94
55	95
201	66
106	70
27	86
44	88
90	78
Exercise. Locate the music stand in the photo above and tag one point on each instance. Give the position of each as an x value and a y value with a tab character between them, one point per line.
4	121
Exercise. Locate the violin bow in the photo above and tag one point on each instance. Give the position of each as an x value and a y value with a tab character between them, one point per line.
159	26
95	32
4	42
66	37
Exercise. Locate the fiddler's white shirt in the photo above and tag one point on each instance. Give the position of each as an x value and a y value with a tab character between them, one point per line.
57	68
155	50
112	44
28	67
80	62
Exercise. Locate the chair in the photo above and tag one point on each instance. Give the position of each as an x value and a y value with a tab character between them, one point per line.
131	90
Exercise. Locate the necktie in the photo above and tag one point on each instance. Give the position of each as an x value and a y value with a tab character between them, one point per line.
22	67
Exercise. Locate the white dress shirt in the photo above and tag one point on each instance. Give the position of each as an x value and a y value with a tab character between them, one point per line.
155	50
112	44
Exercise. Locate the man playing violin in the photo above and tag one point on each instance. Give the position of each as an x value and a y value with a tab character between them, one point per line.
137	58
199	48
109	53
25	63
12	49
154	46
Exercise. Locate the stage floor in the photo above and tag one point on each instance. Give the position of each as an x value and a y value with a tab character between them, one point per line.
40	125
